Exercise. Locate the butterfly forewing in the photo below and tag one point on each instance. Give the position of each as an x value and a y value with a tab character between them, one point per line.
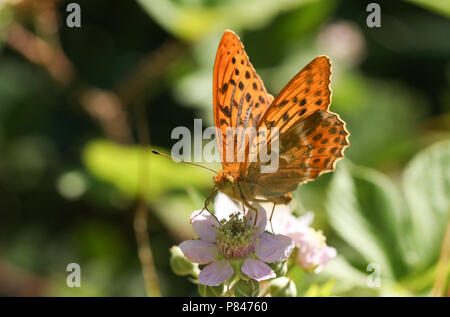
310	138
306	93
240	98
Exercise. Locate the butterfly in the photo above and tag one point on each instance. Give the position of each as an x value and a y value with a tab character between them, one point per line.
311	139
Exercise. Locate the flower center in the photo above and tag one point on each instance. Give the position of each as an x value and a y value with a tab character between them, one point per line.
319	237
235	237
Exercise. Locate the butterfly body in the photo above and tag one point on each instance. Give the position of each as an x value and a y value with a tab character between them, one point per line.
239	188
229	182
309	138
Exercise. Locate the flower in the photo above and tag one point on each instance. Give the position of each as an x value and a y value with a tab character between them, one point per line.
313	252
235	240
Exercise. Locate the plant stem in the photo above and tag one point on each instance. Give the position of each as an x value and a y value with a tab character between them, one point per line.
442	269
141	214
144	250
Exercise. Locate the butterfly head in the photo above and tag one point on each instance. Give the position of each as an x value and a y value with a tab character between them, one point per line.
226	181
226	176
229	178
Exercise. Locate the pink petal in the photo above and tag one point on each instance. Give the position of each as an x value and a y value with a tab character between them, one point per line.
328	253
204	225
257	270
284	222
199	251
215	273
274	247
261	222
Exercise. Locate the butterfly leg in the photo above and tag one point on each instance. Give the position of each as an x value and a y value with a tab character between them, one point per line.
213	191
247	204
270	219
280	200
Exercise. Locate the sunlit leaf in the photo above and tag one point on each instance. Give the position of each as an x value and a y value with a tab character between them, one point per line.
347	276
426	184
193	22
364	209
313	291
126	167
442	7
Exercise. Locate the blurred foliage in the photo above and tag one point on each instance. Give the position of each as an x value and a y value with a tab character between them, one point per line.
442	7
194	20
73	167
129	162
398	229
401	233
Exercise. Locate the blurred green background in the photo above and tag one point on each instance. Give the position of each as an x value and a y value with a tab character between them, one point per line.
79	108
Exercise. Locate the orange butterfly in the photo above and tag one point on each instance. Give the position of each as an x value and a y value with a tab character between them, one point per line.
311	139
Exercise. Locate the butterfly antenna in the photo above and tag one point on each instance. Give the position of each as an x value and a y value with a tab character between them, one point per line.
190	163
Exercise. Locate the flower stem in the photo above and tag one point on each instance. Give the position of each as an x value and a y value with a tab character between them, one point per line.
443	265
231	286
144	251
292	260
141	214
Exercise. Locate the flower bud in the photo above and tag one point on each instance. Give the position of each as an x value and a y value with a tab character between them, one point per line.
280	268
179	263
210	291
282	287
248	288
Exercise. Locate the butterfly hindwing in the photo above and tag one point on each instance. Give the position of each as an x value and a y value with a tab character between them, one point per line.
307	149
240	98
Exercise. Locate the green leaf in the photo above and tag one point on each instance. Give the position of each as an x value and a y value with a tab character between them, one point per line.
426	182
313	291
327	288
195	21
324	290
442	7
347	276
125	167
365	210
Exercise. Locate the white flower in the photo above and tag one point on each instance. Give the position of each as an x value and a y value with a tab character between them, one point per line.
313	252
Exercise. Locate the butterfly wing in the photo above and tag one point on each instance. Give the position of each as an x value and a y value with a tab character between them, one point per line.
306	93
310	138
307	149
240	98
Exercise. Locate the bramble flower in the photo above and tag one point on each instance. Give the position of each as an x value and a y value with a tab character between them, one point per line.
313	252
235	245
